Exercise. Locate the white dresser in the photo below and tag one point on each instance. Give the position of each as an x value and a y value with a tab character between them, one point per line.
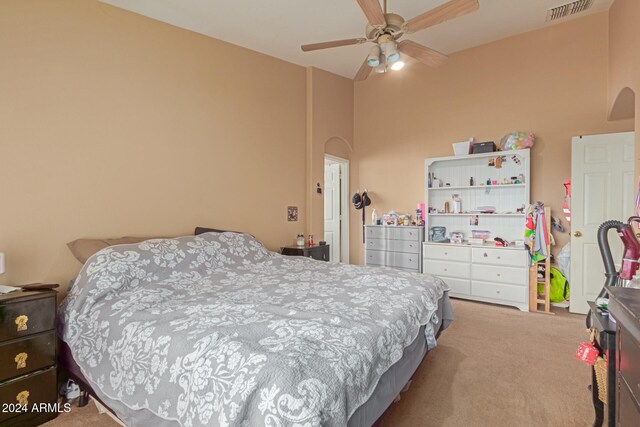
481	273
394	246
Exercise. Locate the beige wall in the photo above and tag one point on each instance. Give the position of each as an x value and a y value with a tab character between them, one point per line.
624	62
112	124
552	82
329	130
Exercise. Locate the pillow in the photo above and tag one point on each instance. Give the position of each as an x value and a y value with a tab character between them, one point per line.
82	249
200	230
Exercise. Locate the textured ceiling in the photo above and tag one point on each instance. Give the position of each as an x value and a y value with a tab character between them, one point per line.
279	27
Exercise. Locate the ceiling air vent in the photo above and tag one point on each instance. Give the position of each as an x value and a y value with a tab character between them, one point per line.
568	9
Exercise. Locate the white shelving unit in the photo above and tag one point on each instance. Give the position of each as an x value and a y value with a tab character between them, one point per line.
456	171
482	273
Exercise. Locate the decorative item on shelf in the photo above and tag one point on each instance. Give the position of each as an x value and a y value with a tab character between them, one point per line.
310	240
483	147
457	237
300	240
500	242
471	182
407	220
476	241
473	220
446	207
463	148
457	203
517	141
374	217
438	234
498	162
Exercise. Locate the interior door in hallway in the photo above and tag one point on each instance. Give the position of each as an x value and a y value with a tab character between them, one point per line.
602	188
332	209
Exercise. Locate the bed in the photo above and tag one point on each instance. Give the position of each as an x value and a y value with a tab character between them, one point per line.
217	330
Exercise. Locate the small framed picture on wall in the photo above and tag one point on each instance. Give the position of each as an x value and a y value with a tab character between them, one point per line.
292	213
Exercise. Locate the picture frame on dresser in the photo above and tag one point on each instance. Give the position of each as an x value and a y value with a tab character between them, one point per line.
488	199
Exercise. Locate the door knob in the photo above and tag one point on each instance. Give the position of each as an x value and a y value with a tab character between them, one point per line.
577	234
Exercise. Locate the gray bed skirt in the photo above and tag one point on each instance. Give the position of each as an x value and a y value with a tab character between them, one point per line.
399	374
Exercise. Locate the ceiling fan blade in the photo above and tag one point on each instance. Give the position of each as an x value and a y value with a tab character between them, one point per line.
327	45
427	56
363	72
373	11
447	11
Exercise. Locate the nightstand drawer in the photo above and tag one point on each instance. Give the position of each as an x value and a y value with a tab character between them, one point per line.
20	317
37	388
24	355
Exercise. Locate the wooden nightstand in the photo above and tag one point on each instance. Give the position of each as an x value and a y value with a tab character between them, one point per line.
319	252
28	358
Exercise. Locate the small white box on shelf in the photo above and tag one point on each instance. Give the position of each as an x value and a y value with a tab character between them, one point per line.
475	241
462	148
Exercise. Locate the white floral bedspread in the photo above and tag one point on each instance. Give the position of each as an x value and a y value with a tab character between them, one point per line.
217	330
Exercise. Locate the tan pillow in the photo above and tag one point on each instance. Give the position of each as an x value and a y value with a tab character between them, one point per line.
82	249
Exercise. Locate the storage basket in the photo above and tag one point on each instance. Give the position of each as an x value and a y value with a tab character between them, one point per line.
600	367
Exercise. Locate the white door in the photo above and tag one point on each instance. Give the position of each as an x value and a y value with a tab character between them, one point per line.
332	209
602	188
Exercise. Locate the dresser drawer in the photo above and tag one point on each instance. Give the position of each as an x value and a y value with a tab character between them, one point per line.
447	253
406	246
498	291
492	273
506	257
20	317
24	355
39	387
628	411
372	257
399	259
456	270
401	233
375	233
376	244
629	358
458	286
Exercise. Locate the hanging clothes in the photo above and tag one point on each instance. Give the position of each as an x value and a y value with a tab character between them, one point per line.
536	233
566	206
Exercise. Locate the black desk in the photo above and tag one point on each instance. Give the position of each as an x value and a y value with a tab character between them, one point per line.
606	343
319	252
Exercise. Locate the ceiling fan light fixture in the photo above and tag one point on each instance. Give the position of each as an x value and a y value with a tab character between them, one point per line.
373	60
398	65
380	69
390	51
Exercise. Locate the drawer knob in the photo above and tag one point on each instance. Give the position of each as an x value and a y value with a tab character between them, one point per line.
497	292
498	274
21	322
498	257
23	398
21	360
446	253
445	269
486	255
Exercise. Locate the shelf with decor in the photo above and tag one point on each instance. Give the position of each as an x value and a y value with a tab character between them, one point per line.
482	272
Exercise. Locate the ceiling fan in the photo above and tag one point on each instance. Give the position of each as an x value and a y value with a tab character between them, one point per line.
385	29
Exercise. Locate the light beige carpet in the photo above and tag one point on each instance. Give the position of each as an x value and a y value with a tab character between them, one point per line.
494	366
